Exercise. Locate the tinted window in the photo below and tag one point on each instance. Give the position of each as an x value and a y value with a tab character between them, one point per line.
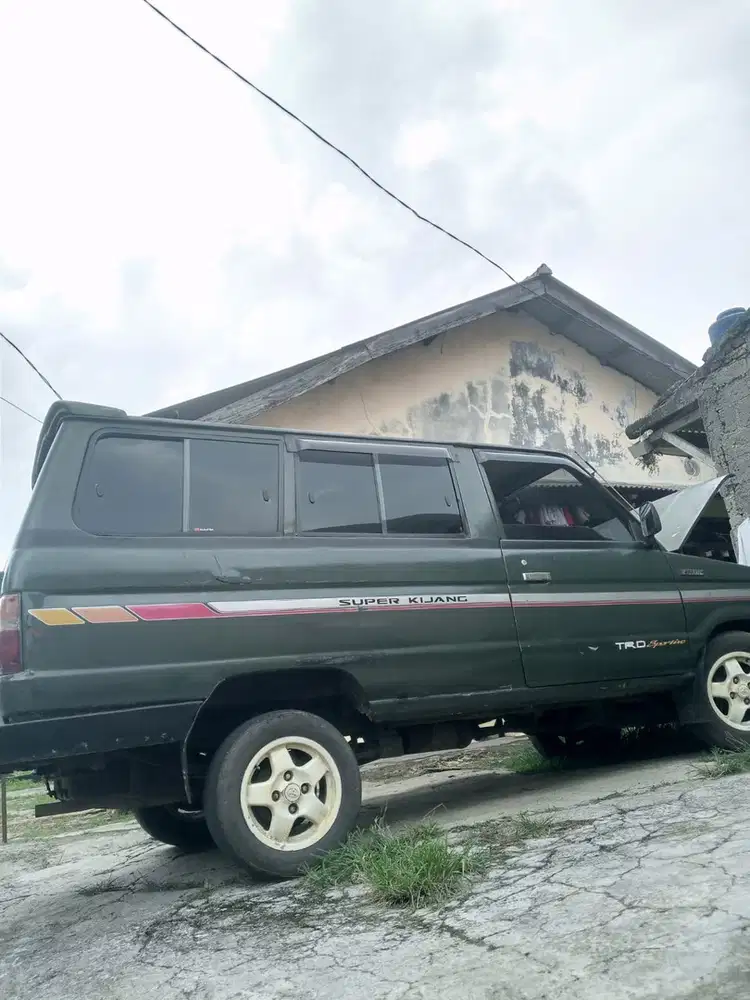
419	496
538	501
234	488
131	486
336	492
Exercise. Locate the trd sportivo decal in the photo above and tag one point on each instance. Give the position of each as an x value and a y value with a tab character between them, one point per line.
111	614
650	643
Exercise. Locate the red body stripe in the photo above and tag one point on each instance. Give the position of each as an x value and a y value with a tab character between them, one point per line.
594	604
281	611
169	612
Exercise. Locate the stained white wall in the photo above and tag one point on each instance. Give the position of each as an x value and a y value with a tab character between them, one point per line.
503	380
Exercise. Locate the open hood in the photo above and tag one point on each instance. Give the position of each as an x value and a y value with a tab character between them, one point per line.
680	511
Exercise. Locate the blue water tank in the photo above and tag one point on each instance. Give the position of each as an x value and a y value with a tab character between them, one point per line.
724	323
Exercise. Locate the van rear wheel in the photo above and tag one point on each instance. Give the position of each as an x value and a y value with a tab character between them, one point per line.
175	825
282	790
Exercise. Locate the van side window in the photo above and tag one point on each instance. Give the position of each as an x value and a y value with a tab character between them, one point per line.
234	487
336	492
131	486
538	501
419	496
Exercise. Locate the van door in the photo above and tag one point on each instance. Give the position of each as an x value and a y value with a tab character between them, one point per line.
390	536
592	601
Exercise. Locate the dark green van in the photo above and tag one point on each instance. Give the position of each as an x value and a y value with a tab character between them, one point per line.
216	625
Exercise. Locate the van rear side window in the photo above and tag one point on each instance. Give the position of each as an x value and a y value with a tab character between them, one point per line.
360	493
160	486
419	496
234	487
336	492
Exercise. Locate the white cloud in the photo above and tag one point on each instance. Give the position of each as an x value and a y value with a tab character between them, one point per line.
165	232
421	143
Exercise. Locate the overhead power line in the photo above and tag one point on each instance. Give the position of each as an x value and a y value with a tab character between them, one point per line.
30	363
20	409
331	145
368	176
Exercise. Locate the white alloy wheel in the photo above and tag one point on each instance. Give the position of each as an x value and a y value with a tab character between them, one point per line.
291	793
728	686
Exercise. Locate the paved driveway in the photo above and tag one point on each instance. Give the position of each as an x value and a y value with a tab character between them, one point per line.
646	895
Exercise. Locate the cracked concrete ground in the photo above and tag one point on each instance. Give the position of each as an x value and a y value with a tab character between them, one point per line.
646	895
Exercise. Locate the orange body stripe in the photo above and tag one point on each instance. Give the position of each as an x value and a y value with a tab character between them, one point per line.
108	615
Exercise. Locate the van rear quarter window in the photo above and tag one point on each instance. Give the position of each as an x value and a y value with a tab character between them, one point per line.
136	486
131	486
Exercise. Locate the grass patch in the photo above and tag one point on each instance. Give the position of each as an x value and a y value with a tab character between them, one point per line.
20	782
512	831
526	759
525	827
51	826
723	763
414	867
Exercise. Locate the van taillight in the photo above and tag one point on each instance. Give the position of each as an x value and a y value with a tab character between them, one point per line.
10	634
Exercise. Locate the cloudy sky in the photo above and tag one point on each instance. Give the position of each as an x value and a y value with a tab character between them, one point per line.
165	232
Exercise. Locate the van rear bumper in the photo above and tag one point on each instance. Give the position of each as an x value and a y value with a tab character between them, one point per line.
25	745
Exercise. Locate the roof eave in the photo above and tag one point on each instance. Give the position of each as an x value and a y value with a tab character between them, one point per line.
346	359
248	399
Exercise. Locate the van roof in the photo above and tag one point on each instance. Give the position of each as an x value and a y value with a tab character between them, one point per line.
68	409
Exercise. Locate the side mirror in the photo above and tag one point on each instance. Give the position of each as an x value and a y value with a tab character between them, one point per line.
650	522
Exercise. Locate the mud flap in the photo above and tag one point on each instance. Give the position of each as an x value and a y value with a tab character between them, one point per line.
692	710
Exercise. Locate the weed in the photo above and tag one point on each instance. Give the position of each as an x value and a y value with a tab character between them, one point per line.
722	763
512	831
526	827
410	868
523	758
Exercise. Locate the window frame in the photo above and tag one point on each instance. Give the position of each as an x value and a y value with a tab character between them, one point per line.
374	450
484	456
184	439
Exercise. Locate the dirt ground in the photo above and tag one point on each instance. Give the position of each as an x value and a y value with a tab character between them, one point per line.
642	890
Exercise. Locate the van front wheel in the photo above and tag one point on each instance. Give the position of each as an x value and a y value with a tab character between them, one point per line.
282	791
723	693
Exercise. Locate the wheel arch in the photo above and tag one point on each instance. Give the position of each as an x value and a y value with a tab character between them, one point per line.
730	625
331	692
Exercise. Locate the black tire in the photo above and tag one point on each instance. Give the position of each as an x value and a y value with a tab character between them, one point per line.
178	827
586	744
241	832
715	730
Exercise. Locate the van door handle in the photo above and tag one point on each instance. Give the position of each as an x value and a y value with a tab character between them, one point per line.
537	577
